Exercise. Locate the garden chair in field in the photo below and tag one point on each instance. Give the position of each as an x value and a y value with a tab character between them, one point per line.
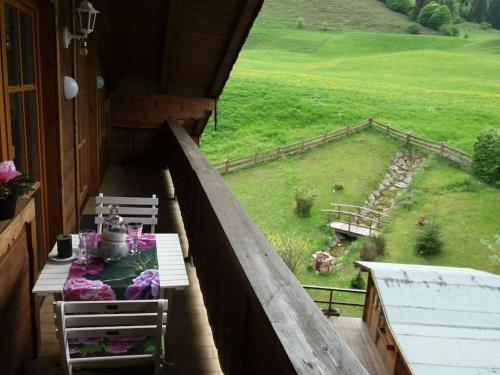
132	209
97	335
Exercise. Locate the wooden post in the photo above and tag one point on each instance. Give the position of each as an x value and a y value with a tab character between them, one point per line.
279	151
324	137
226	165
370	121
349	225
255	159
441	149
348	129
388	129
408	137
302	146
330	302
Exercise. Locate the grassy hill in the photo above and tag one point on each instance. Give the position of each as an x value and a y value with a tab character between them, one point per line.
369	15
289	84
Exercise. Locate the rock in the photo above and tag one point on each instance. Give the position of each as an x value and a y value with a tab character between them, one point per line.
387	182
408	179
392	188
376	193
401	185
371	198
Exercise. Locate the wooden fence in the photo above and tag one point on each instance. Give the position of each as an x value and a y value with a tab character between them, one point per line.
441	148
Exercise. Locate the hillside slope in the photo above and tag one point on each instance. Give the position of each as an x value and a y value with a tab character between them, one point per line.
370	15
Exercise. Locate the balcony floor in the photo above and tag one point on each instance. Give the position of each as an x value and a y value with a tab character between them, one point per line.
190	347
355	334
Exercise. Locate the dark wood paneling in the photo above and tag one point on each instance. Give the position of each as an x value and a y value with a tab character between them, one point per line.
262	319
18	309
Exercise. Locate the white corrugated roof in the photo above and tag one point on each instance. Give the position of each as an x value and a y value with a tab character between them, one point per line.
446	320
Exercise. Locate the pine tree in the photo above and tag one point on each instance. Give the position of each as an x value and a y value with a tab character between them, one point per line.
479	10
494	13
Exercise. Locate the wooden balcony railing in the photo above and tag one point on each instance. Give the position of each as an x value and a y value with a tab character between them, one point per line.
263	321
330	310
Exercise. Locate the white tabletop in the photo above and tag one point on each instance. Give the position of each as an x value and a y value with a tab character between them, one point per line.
171	267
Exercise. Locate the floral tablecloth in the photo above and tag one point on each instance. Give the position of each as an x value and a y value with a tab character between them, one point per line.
134	277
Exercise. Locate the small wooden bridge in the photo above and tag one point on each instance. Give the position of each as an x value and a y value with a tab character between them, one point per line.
354	220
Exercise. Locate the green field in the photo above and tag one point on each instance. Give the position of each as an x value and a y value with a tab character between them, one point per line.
289	84
466	208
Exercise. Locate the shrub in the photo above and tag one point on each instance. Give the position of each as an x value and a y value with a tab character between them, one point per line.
434	15
402	6
357	282
301	23
414	28
291	248
429	240
449	30
407	201
486	157
466	36
324	26
338	187
304	200
485	25
372	247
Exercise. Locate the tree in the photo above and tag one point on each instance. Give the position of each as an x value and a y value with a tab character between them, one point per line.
429	240
434	15
291	248
419	4
402	6
494	13
479	10
486	157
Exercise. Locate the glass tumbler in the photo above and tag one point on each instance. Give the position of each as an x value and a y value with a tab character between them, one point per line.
135	232
87	243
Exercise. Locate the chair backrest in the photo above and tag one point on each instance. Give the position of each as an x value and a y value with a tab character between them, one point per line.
112	326
132	209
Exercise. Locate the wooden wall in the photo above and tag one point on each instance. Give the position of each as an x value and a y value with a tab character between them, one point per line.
374	317
18	313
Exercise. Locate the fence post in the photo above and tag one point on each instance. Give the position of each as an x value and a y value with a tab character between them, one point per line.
441	149
302	146
226	165
370	121
408	137
330	302
255	159
348	129
279	151
388	129
324	137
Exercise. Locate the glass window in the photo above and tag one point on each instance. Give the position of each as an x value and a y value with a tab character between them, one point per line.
30	118
12	44
18	130
27	48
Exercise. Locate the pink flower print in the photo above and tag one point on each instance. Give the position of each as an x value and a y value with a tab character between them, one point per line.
81	289
119	347
142	287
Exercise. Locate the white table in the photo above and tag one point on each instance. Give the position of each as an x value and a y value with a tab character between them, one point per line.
171	268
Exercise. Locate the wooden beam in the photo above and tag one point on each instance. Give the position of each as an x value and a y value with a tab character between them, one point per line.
172	7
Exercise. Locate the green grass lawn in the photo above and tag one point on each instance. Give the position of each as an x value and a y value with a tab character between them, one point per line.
466	208
289	84
370	15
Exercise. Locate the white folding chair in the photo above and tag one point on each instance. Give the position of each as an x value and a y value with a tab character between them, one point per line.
132	209
110	319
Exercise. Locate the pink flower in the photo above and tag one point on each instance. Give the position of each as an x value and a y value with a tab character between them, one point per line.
117	347
145	286
81	289
84	340
79	267
8	171
74	349
126	338
95	266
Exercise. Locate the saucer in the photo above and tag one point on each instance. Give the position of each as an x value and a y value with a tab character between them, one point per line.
54	258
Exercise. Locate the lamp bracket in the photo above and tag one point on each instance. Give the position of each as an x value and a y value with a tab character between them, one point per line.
67	37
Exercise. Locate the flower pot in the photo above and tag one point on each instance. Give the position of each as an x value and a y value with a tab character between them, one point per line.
8	208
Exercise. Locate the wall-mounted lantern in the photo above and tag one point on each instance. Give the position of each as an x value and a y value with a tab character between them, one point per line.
99	82
70	88
86	18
